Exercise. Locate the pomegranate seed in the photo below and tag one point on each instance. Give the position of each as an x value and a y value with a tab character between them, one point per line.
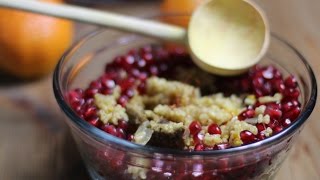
154	70
248	113
273	123
261	136
148	57
94	121
198	138
278	85
267	88
123	100
214	129
120	133
110	129
260	127
199	147
129	93
123	124
273	105
76	103
287	106
108	83
291	93
143	76
277	129
106	91
222	146
268	72
286	123
142	88
292	114
258	92
90	111
126	84
273	113
291	82
130	137
89	93
141	63
195	127
258	83
95	85
247	137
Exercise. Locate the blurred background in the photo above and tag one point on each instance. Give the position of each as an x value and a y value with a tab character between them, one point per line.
34	140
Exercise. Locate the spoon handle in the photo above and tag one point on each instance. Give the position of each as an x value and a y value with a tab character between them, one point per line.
101	18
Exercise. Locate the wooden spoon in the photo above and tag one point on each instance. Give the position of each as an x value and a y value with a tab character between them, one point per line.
225	37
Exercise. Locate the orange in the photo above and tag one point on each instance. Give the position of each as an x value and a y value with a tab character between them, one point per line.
31	44
182	7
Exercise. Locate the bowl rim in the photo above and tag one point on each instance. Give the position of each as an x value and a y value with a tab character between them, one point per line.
103	137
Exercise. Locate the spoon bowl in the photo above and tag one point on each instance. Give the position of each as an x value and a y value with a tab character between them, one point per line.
227	37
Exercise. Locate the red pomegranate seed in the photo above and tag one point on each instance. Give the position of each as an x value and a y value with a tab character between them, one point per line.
89	93
126	84
129	93
273	105
277	129
108	83
248	113
267	88
291	93
278	85
198	138
120	133
258	82
291	82
247	137
142	88
273	113
106	91
199	147
141	63
130	137
287	106
286	123
110	129
148	57
273	123
195	127
123	100
90	111
258	92
261	136
222	146
154	70
214	129
260	127
268	73
94	121
95	85
89	102
123	124
292	114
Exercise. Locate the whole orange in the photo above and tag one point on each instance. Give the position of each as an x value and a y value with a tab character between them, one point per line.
31	44
181	8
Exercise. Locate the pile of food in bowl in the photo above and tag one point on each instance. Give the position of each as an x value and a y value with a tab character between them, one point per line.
156	96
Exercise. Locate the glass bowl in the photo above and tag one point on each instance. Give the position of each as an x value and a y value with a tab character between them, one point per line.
108	157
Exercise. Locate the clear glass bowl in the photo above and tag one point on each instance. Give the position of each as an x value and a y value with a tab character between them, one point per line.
108	157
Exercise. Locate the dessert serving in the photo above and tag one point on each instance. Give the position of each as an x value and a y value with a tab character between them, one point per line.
139	109
156	96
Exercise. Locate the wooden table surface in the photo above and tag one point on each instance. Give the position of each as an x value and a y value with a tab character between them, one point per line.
35	142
